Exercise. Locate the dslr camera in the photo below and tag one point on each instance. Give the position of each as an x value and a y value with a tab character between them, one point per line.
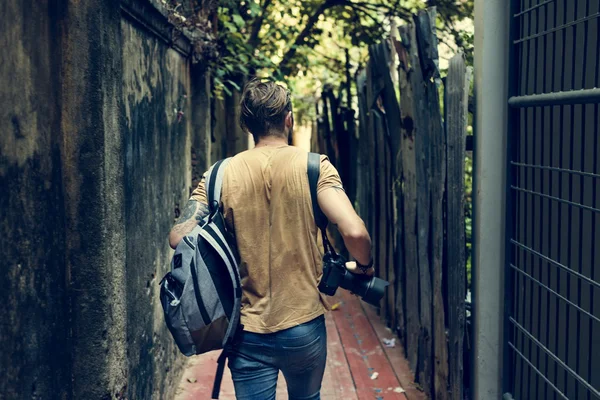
335	274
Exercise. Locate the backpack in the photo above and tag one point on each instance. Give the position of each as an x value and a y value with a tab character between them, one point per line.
201	295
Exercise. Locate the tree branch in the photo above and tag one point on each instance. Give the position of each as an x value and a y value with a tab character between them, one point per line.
327	4
257	25
362	7
332	59
401	12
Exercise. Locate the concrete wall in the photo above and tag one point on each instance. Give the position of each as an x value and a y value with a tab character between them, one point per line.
91	130
94	166
229	137
34	330
156	82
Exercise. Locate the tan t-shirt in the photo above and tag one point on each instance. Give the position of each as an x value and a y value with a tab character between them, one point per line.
267	204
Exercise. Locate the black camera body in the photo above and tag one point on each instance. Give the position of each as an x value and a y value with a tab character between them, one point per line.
335	275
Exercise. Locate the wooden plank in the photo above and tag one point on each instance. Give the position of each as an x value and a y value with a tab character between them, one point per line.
370	145
457	96
389	235
409	286
426	31
422	156
395	355
399	325
384	104
389	219
398	321
364	352
328	125
337	382
363	172
381	221
373	205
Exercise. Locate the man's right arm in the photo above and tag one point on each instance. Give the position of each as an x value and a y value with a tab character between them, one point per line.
339	211
192	215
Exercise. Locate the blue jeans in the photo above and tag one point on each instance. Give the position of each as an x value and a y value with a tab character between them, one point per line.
299	352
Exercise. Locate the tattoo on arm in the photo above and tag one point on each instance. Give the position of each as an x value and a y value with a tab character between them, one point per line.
201	212
339	189
192	215
188	212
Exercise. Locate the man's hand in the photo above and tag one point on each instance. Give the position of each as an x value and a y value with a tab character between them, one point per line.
192	215
352	267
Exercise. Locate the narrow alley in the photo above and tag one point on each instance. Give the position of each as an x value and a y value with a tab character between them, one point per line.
464	133
360	365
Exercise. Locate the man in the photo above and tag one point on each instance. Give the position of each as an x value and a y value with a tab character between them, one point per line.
267	205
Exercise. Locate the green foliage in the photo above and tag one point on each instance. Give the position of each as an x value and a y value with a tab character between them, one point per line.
302	42
469	212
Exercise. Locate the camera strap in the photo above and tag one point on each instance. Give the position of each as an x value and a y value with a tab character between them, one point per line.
314	170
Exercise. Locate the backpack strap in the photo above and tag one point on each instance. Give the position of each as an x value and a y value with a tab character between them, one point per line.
219	374
314	170
214	183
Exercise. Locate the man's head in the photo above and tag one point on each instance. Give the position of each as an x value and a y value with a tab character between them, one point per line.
266	110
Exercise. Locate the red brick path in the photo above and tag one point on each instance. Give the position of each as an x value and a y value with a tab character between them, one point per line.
356	354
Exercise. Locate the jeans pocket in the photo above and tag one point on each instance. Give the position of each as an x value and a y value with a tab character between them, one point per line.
301	344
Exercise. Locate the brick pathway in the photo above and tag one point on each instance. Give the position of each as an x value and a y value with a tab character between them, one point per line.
356	354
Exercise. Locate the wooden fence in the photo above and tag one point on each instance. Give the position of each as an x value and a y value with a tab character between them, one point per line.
404	169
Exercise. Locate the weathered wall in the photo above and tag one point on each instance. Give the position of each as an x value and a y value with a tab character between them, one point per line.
91	126
95	161
201	121
156	83
229	137
33	332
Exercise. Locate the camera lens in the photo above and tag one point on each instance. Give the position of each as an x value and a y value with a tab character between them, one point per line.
375	291
370	289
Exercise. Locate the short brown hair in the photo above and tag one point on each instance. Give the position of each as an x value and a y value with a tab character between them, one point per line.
264	105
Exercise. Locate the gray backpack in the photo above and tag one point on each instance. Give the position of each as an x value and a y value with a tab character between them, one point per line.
201	295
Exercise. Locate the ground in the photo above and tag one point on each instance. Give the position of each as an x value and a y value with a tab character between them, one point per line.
359	366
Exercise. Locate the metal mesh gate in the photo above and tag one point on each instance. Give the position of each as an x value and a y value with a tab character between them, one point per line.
553	250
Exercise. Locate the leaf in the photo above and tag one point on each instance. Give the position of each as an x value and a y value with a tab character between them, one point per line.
254	9
229	26
239	21
235	85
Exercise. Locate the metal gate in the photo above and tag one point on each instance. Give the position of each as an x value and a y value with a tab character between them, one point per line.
552	328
